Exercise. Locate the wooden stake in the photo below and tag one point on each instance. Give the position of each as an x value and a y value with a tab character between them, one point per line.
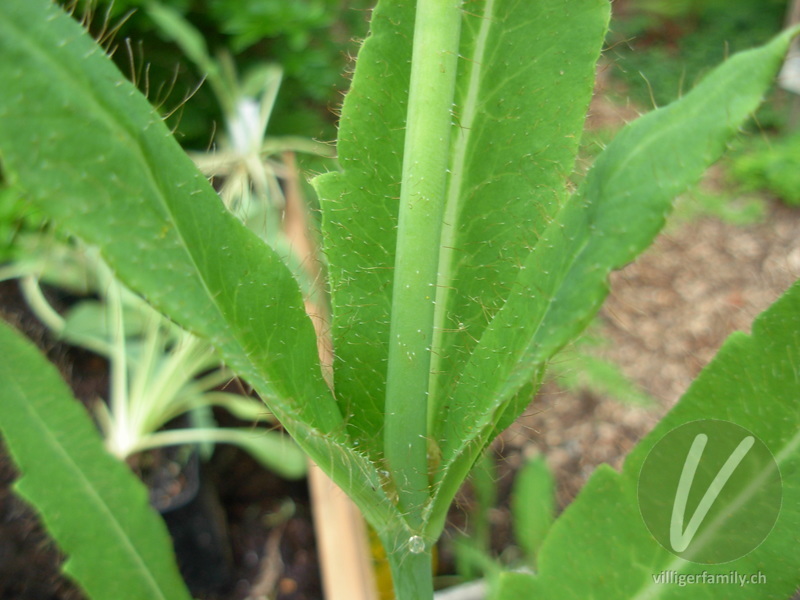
342	541
342	537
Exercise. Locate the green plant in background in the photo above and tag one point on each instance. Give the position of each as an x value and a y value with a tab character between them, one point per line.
246	162
663	48
11	219
533	511
473	552
460	262
158	371
772	165
580	366
729	205
249	22
307	38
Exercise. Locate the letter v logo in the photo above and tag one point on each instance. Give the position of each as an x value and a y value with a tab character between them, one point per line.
679	538
709	491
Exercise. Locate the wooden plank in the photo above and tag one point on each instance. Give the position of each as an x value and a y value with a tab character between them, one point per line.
342	537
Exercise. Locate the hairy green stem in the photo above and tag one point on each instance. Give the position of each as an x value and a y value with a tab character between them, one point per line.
422	199
413	574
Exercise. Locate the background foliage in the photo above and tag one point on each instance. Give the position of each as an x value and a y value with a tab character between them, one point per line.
313	40
661	48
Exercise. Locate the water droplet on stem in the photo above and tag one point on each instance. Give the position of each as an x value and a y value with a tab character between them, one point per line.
416	545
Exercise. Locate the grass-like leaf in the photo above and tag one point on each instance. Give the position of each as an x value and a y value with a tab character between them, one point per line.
533	505
93	506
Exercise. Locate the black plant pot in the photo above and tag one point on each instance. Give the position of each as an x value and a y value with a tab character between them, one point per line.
190	507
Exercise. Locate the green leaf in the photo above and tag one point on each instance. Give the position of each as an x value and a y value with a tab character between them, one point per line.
90	151
753	382
513	150
359	217
473	552
512	144
615	214
274	450
575	369
102	164
89	319
92	505
175	28
533	506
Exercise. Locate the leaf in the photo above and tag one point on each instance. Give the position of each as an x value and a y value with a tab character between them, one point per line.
615	214
274	450
175	28
359	216
124	184
117	546
90	151
580	370
513	143
513	150
533	506
89	319
753	382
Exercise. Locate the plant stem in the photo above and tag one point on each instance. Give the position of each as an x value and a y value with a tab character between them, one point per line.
143	373
123	437
412	574
194	435
40	306
54	321
422	199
